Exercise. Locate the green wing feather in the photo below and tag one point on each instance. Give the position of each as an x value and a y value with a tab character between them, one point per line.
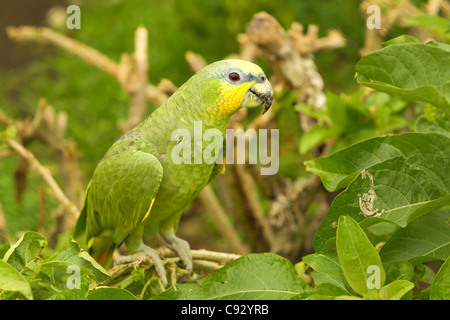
119	196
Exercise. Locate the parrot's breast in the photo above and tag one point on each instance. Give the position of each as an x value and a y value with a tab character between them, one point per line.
182	181
180	185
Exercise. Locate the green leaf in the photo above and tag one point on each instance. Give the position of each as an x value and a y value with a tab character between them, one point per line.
330	290
311	295
72	254
12	280
412	71
316	136
346	297
323	291
110	293
326	269
342	110
404	188
75	293
396	290
371	295
443	46
255	276
339	169
317	113
359	260
423	239
25	249
379	231
440	288
398	270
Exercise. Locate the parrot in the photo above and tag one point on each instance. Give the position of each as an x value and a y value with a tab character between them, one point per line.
137	183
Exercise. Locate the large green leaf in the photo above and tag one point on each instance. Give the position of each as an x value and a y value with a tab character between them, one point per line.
73	255
339	169
12	280
406	188
357	256
255	276
425	238
413	71
77	293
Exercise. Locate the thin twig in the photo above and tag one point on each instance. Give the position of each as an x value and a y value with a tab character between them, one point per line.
203	260
196	61
86	53
202	254
138	106
48	178
47	35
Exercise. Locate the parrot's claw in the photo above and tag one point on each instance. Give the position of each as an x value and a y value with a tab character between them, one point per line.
144	250
182	248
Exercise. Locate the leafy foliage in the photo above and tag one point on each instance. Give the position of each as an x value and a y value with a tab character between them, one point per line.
352	118
31	271
413	71
408	180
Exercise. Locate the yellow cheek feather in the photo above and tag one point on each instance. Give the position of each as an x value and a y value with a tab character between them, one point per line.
231	98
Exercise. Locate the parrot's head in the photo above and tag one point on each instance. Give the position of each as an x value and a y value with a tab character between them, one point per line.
228	85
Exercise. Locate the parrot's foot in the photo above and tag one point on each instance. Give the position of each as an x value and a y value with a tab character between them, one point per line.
182	248
144	250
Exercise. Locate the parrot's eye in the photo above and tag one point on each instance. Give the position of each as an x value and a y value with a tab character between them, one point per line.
234	76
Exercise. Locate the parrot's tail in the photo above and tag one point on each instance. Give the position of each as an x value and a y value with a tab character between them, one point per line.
100	247
102	250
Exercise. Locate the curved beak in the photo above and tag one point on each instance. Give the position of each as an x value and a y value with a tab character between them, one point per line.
260	93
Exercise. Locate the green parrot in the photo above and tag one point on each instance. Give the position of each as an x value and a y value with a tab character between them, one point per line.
137	183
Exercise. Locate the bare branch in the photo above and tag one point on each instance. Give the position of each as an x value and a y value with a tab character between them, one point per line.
167	87
48	178
309	42
196	61
86	53
138	108
47	35
202	254
203	260
280	48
